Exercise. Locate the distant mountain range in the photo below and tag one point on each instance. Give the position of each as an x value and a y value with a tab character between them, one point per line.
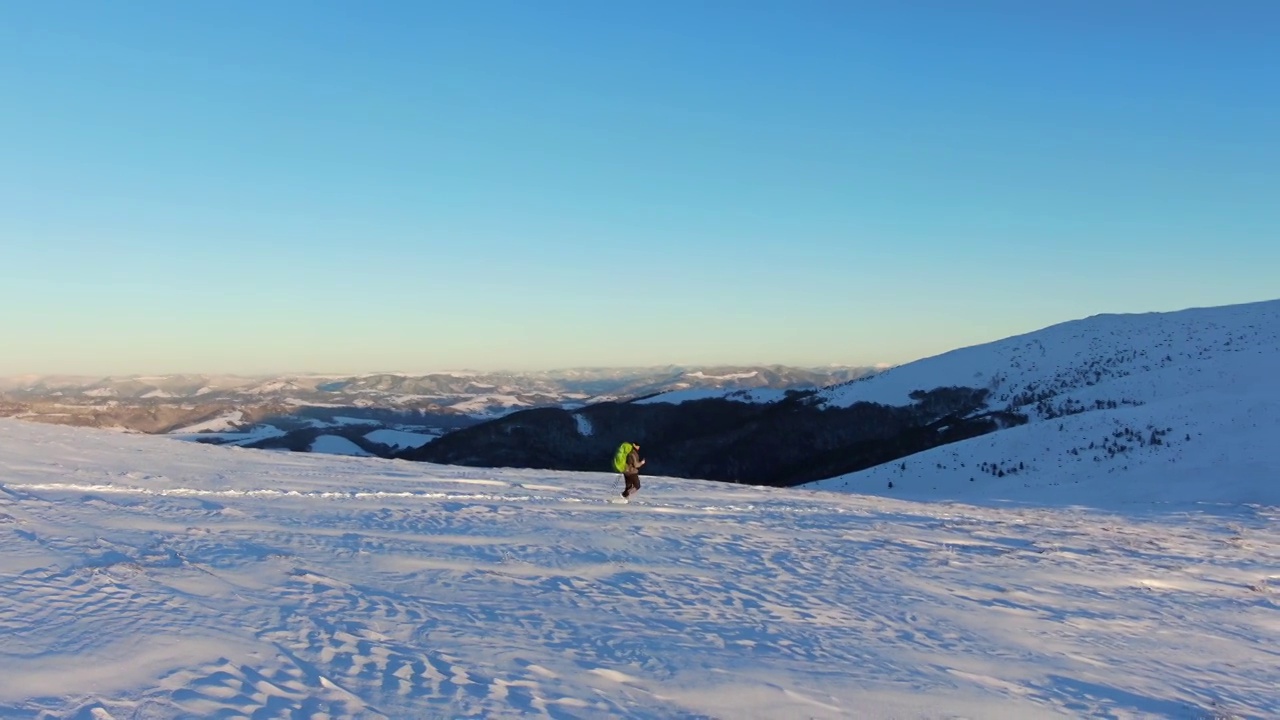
1106	392
377	414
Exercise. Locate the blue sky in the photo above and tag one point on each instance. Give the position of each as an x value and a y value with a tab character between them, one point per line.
344	187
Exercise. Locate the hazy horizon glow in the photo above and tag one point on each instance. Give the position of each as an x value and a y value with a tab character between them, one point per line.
297	187
461	372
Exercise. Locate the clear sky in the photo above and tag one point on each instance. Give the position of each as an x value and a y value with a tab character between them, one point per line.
357	186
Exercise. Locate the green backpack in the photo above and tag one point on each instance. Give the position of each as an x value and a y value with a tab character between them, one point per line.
620	457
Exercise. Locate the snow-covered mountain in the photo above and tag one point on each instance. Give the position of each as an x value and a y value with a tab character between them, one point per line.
146	578
1112	401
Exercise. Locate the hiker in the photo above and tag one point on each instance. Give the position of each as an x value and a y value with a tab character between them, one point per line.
627	461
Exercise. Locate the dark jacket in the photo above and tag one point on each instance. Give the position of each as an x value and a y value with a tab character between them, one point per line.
633	463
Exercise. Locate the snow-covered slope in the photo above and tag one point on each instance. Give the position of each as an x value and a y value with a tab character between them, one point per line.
1123	408
1067	367
143	578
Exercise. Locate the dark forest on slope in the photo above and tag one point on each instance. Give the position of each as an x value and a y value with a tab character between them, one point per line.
780	444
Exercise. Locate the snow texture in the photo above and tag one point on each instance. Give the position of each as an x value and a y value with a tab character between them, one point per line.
143	577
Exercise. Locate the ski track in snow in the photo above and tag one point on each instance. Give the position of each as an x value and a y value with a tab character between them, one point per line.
148	578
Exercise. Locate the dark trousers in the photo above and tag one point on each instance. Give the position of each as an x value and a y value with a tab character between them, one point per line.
633	483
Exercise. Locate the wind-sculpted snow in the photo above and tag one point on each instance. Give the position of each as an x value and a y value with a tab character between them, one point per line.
143	578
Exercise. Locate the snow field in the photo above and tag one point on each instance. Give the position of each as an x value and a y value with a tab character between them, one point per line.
147	578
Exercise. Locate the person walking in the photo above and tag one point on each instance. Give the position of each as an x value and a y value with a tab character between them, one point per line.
628	462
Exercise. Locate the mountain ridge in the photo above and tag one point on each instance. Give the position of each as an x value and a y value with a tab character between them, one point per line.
1103	363
1170	395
